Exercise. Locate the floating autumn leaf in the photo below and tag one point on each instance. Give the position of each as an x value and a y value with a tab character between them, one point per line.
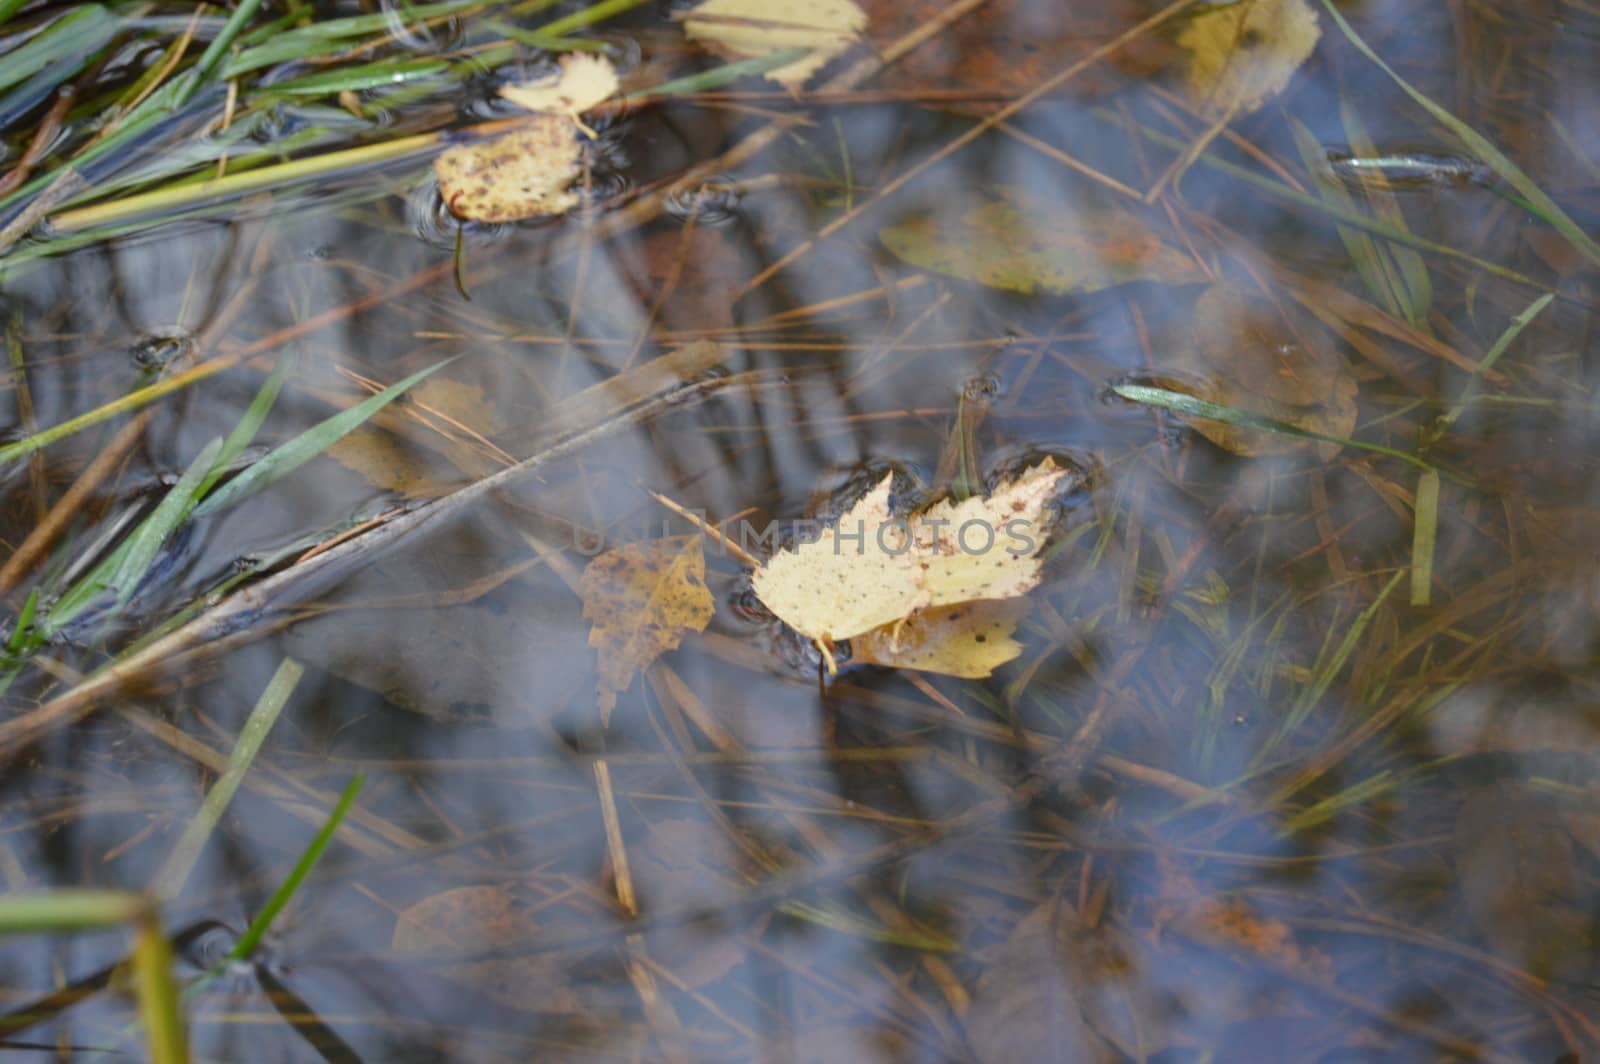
1021	243
1243	352
523	174
1243	54
529	172
871	568
642	598
585	80
754	28
970	639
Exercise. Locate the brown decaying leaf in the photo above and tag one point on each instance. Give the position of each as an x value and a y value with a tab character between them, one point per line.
871	568
1024	243
641	599
1005	48
1241	352
392	463
474	918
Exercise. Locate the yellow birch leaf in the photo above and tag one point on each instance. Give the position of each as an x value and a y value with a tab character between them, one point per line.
1244	54
523	174
585	80
641	599
970	639
755	28
871	568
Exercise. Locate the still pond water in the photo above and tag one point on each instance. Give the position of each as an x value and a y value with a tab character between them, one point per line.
1296	760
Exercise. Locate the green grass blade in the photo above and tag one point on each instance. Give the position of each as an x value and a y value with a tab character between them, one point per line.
1480	146
19	631
245	431
293	454
722	75
588	16
67	910
80	32
9	8
217	49
1425	533
153	531
305	42
1189	406
180	861
246	946
358	78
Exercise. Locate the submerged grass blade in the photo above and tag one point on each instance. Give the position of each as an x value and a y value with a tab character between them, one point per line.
1328	669
1425	533
293	454
1408	273
180	861
1479	145
127	404
246	946
1189	406
245	431
1363	250
717	77
1512	331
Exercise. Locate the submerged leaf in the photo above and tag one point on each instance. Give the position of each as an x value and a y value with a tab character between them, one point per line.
476	918
871	568
1243	54
754	28
642	598
1029	245
1242	353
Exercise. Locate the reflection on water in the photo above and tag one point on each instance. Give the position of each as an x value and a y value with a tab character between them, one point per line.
1252	792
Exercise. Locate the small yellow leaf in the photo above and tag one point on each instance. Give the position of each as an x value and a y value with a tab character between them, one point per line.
871	568
755	28
585	80
1243	54
970	639
520	175
1026	244
642	598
